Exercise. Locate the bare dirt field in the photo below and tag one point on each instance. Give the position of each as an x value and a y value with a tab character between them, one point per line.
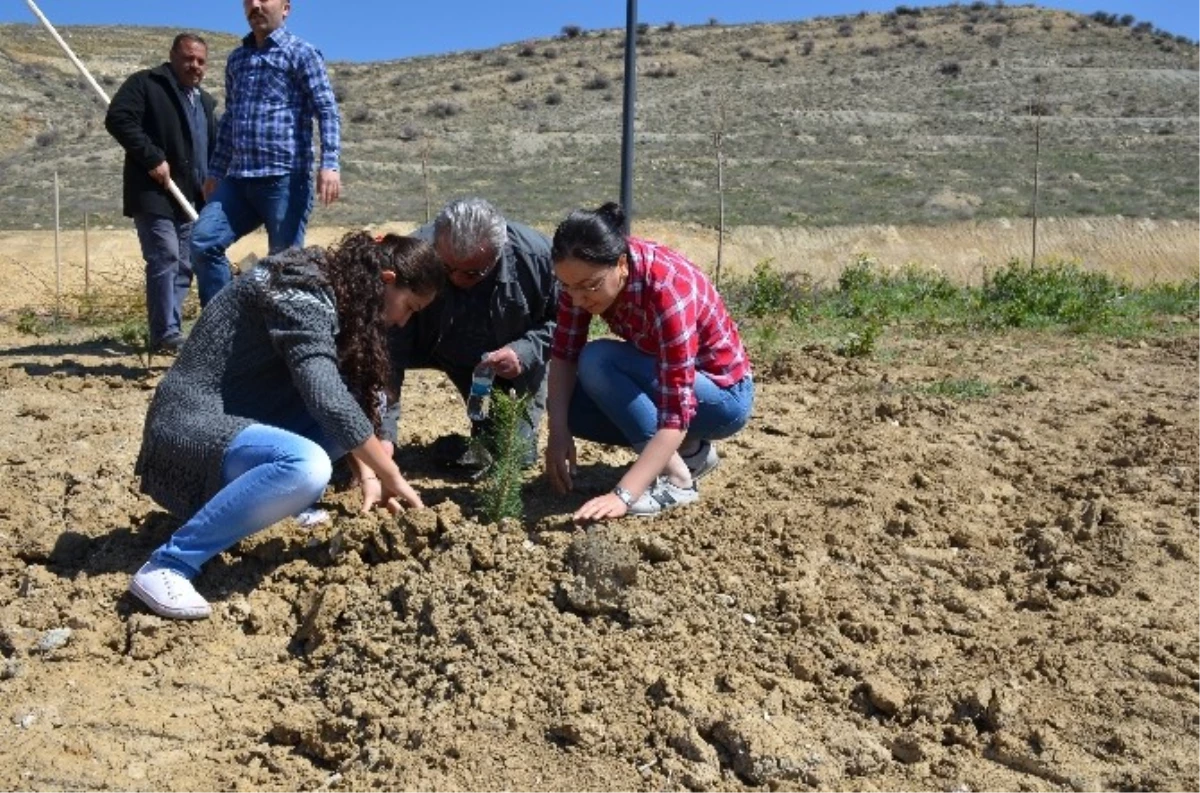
1139	250
880	589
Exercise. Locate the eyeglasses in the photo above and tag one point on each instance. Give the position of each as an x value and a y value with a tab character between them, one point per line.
473	273
585	288
463	267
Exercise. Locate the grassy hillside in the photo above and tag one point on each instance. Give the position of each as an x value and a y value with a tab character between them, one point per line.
918	115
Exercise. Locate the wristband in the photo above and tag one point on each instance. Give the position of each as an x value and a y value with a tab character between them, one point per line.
623	494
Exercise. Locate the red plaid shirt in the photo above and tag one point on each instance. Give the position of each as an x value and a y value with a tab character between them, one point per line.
668	309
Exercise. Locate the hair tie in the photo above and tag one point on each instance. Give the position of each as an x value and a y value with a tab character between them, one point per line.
379	238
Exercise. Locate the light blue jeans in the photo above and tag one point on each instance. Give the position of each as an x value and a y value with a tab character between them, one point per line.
238	207
615	399
269	474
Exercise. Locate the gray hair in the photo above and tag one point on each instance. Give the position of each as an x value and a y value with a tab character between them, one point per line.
466	225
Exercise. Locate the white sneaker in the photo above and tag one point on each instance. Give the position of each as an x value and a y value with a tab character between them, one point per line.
168	593
661	496
703	461
312	517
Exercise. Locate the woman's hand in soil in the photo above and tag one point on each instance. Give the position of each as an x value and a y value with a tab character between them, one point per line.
601	508
389	491
560	461
372	492
372	460
397	490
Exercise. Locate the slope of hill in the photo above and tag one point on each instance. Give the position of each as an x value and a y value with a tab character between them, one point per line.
918	115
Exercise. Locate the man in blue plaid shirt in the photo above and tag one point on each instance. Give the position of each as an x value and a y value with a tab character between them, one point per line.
261	171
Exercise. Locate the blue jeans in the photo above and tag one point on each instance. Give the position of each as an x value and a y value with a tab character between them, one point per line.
238	207
269	474
166	247
615	399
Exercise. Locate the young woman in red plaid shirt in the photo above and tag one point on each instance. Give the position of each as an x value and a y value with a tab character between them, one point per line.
676	379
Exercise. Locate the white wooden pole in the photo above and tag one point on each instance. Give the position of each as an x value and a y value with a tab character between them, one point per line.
175	192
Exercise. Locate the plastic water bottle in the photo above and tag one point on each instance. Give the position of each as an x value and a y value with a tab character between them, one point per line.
481	391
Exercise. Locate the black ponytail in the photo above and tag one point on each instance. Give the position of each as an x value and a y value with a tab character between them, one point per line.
613	215
592	236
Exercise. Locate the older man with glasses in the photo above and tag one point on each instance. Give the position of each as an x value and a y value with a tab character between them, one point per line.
500	306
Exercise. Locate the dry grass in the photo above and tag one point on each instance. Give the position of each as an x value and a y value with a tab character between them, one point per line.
1139	251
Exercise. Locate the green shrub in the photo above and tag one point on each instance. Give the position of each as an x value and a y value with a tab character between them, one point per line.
1021	295
29	323
740	293
764	342
864	290
1181	299
860	342
869	299
768	290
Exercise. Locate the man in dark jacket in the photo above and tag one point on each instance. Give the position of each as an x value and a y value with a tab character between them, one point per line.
500	305
167	125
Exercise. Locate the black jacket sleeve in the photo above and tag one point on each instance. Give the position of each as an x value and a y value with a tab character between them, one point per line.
535	274
124	121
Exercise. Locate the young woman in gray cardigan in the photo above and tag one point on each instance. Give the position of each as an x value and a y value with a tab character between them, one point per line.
281	375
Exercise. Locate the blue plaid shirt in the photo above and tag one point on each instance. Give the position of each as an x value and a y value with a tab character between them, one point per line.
271	97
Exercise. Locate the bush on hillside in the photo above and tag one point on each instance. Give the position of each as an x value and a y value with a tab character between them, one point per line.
443	109
597	82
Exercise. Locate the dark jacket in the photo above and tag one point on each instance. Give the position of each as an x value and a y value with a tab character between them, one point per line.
148	119
523	306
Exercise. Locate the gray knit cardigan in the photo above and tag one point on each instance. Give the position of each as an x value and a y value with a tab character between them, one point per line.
262	352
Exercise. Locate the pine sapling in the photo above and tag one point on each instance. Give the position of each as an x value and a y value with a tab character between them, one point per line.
507	449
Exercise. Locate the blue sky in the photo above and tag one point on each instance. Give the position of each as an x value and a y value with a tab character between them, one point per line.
367	30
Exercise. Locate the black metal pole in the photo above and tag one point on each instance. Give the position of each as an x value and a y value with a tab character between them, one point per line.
628	111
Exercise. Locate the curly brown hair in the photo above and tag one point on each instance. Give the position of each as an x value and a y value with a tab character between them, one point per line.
353	267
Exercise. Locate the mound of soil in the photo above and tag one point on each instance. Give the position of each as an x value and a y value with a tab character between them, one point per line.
880	588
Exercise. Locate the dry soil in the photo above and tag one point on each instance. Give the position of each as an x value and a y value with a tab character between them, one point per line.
880	589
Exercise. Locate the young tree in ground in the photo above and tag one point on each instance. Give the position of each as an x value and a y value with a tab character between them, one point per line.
508	450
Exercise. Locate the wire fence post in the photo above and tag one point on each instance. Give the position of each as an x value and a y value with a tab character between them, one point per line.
1037	154
57	259
87	261
719	142
425	176
720	207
